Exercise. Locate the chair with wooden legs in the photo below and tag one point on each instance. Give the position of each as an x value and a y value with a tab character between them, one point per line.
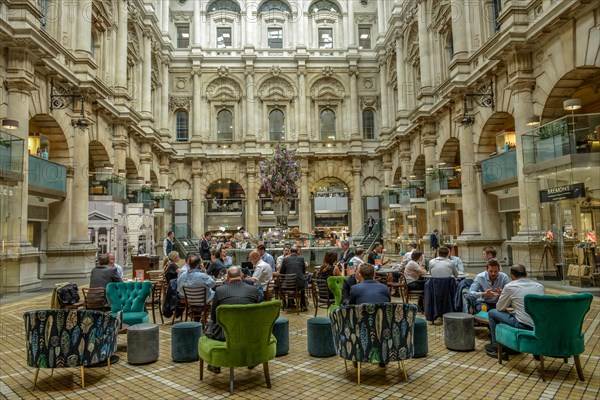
94	299
155	300
197	303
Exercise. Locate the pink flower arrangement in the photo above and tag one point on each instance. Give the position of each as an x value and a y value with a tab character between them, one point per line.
280	173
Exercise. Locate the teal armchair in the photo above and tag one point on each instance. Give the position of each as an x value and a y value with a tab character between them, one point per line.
335	284
557	329
130	298
248	338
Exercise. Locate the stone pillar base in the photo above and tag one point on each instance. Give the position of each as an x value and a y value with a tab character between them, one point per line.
19	272
529	253
469	251
71	262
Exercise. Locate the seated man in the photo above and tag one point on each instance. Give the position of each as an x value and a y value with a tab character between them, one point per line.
195	277
262	270
368	290
457	261
441	266
487	286
295	264
216	265
233	292
513	295
103	274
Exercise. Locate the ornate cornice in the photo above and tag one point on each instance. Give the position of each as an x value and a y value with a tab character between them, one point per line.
178	102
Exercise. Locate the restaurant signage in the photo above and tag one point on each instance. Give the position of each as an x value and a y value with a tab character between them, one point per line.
562	192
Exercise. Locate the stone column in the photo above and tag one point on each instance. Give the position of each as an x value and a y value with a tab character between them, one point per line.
301	39
357	198
121	49
302	95
250	106
424	47
79	196
196	104
197	203
197	26
406	166
164	101
489	217
145	160
470	199
120	145
350	25
147	76
401	74
83	38
459	26
380	17
354	108
385	123
165	17
163	179
428	141
305	206
252	199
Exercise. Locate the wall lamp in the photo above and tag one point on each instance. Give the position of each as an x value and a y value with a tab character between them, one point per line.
533	121
59	99
10	124
484	97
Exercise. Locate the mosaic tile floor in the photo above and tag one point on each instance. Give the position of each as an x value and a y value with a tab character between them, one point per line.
443	374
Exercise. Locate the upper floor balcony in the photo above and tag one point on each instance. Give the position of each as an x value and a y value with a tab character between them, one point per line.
11	157
140	194
102	184
403	197
499	170
570	139
47	178
163	200
440	182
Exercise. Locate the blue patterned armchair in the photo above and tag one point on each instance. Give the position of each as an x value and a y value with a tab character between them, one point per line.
379	333
69	338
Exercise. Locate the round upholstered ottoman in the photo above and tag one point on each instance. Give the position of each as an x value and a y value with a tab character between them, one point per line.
420	343
281	331
459	332
142	343
184	341
320	337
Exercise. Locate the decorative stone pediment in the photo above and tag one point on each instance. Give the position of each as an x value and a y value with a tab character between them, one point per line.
182	16
276	89
224	89
179	102
369	101
327	88
365	18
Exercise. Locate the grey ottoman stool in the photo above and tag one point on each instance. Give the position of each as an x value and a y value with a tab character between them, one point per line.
184	341
281	331
142	343
320	337
459	332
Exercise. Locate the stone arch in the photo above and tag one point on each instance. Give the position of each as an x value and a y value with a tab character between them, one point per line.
450	153
579	83
225	170
372	186
341	6
131	170
418	168
275	88
397	179
497	122
224	88
330	169
327	88
98	156
154	180
60	148
182	190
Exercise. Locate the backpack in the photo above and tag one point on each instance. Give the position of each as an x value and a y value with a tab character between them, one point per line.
68	294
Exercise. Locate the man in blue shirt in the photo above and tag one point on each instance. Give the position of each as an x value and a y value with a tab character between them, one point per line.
368	290
266	257
195	277
488	285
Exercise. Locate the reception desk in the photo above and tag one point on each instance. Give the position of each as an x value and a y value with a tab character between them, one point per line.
312	255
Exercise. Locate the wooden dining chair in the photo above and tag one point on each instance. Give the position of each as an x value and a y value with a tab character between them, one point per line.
197	303
94	299
155	300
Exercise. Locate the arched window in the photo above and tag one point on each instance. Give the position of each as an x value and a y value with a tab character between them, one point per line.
324	5
368	124
182	126
224	125
276	125
274	5
327	124
223	5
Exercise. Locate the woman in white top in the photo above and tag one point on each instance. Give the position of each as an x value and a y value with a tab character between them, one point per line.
413	271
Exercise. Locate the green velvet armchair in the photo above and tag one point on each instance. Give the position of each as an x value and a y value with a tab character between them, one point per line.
557	329
248	338
335	284
130	298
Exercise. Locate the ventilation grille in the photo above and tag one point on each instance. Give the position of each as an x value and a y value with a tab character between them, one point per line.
508	204
37	213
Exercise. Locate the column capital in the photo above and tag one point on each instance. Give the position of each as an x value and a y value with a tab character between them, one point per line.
353	71
196	71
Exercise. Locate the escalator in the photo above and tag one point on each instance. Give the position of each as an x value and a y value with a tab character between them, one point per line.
186	241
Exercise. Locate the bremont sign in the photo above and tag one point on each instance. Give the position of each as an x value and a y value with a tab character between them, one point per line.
562	192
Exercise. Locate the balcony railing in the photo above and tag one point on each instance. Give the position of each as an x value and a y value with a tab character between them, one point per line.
218	206
107	185
162	200
400	197
11	156
437	181
142	195
573	134
47	177
265	206
500	169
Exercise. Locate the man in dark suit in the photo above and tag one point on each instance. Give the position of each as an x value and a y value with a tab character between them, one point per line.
235	291
103	274
347	254
295	264
205	246
369	290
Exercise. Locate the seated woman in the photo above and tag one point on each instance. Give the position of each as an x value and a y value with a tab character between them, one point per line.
413	271
328	268
170	267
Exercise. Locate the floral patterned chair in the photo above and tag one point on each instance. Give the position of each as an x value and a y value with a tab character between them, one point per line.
69	338
379	333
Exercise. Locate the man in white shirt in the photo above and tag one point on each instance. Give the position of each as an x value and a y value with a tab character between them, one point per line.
412	246
112	263
286	252
513	295
262	271
441	266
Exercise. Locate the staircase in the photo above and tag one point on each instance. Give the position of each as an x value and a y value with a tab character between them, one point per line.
366	239
186	241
